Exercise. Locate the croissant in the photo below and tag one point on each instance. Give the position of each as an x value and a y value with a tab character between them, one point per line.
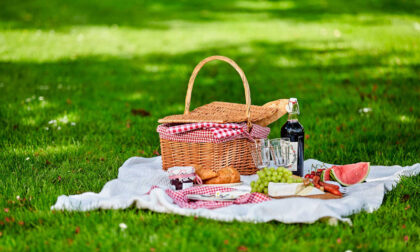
204	173
225	176
235	176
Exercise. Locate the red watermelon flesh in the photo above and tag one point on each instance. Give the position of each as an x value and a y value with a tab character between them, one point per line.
350	174
325	176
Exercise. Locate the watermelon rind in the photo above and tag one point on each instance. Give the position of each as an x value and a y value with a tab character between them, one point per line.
326	174
333	176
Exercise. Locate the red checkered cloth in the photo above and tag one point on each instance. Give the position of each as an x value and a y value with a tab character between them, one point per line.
220	130
180	197
210	132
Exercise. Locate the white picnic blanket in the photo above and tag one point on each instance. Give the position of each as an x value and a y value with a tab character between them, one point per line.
138	175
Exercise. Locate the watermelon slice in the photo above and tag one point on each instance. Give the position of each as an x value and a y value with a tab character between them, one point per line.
349	174
325	175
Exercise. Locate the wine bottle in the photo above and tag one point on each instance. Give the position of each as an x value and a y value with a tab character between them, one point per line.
294	130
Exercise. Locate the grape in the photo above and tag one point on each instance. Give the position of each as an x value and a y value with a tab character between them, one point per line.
267	175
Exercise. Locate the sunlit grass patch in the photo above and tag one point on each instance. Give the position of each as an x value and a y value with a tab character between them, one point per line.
82	85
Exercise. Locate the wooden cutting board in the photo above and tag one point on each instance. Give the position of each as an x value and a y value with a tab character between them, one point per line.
325	196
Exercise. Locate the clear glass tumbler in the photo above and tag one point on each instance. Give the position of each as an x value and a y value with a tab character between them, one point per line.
285	149
261	154
280	148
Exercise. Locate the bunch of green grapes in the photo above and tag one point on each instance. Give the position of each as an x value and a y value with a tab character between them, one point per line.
267	175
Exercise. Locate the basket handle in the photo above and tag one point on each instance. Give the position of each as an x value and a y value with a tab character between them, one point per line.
237	68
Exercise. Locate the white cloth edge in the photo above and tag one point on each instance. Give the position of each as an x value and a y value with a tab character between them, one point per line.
137	175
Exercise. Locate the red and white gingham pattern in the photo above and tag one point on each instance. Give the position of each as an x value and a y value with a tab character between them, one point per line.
203	133
220	130
180	197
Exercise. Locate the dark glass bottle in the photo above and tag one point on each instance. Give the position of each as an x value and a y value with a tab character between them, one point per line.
294	130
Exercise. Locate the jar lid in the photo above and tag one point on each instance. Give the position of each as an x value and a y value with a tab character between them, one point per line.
178	170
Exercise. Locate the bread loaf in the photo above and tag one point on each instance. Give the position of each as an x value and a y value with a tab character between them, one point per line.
225	176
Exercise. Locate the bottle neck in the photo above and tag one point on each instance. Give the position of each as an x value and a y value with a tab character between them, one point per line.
293	117
293	109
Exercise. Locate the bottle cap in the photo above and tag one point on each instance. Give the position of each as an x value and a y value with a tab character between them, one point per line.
291	104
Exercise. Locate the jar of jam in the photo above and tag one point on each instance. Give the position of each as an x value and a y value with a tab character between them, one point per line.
181	177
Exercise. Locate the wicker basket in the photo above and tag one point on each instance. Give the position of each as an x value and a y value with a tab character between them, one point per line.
236	152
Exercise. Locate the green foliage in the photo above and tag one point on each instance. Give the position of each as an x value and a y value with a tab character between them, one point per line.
88	64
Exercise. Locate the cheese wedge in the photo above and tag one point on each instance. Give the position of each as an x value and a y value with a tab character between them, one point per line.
307	190
315	191
284	189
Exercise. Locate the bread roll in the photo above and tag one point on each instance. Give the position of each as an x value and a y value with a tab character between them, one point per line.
225	176
235	177
204	173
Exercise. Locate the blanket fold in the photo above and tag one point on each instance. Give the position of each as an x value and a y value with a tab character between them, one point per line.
138	175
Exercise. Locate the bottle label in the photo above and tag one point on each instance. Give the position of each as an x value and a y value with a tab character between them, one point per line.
293	156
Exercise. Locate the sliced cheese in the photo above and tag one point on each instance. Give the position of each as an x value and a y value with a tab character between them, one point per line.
315	191
284	189
305	191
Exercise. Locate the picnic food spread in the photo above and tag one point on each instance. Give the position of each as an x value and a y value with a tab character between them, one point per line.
215	143
205	151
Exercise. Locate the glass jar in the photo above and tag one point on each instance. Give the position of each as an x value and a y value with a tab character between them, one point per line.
181	177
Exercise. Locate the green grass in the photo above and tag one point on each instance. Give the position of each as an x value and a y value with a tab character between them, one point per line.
91	62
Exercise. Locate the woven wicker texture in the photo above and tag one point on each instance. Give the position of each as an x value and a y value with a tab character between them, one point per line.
221	112
235	153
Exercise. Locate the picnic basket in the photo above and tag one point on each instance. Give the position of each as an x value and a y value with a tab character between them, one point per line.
184	150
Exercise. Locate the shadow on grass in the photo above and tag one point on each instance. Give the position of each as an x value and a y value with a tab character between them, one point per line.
161	79
331	88
332	83
155	14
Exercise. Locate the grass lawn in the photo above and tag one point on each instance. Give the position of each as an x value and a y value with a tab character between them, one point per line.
87	64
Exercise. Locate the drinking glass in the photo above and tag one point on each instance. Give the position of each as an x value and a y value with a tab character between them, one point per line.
276	152
261	155
286	145
280	148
